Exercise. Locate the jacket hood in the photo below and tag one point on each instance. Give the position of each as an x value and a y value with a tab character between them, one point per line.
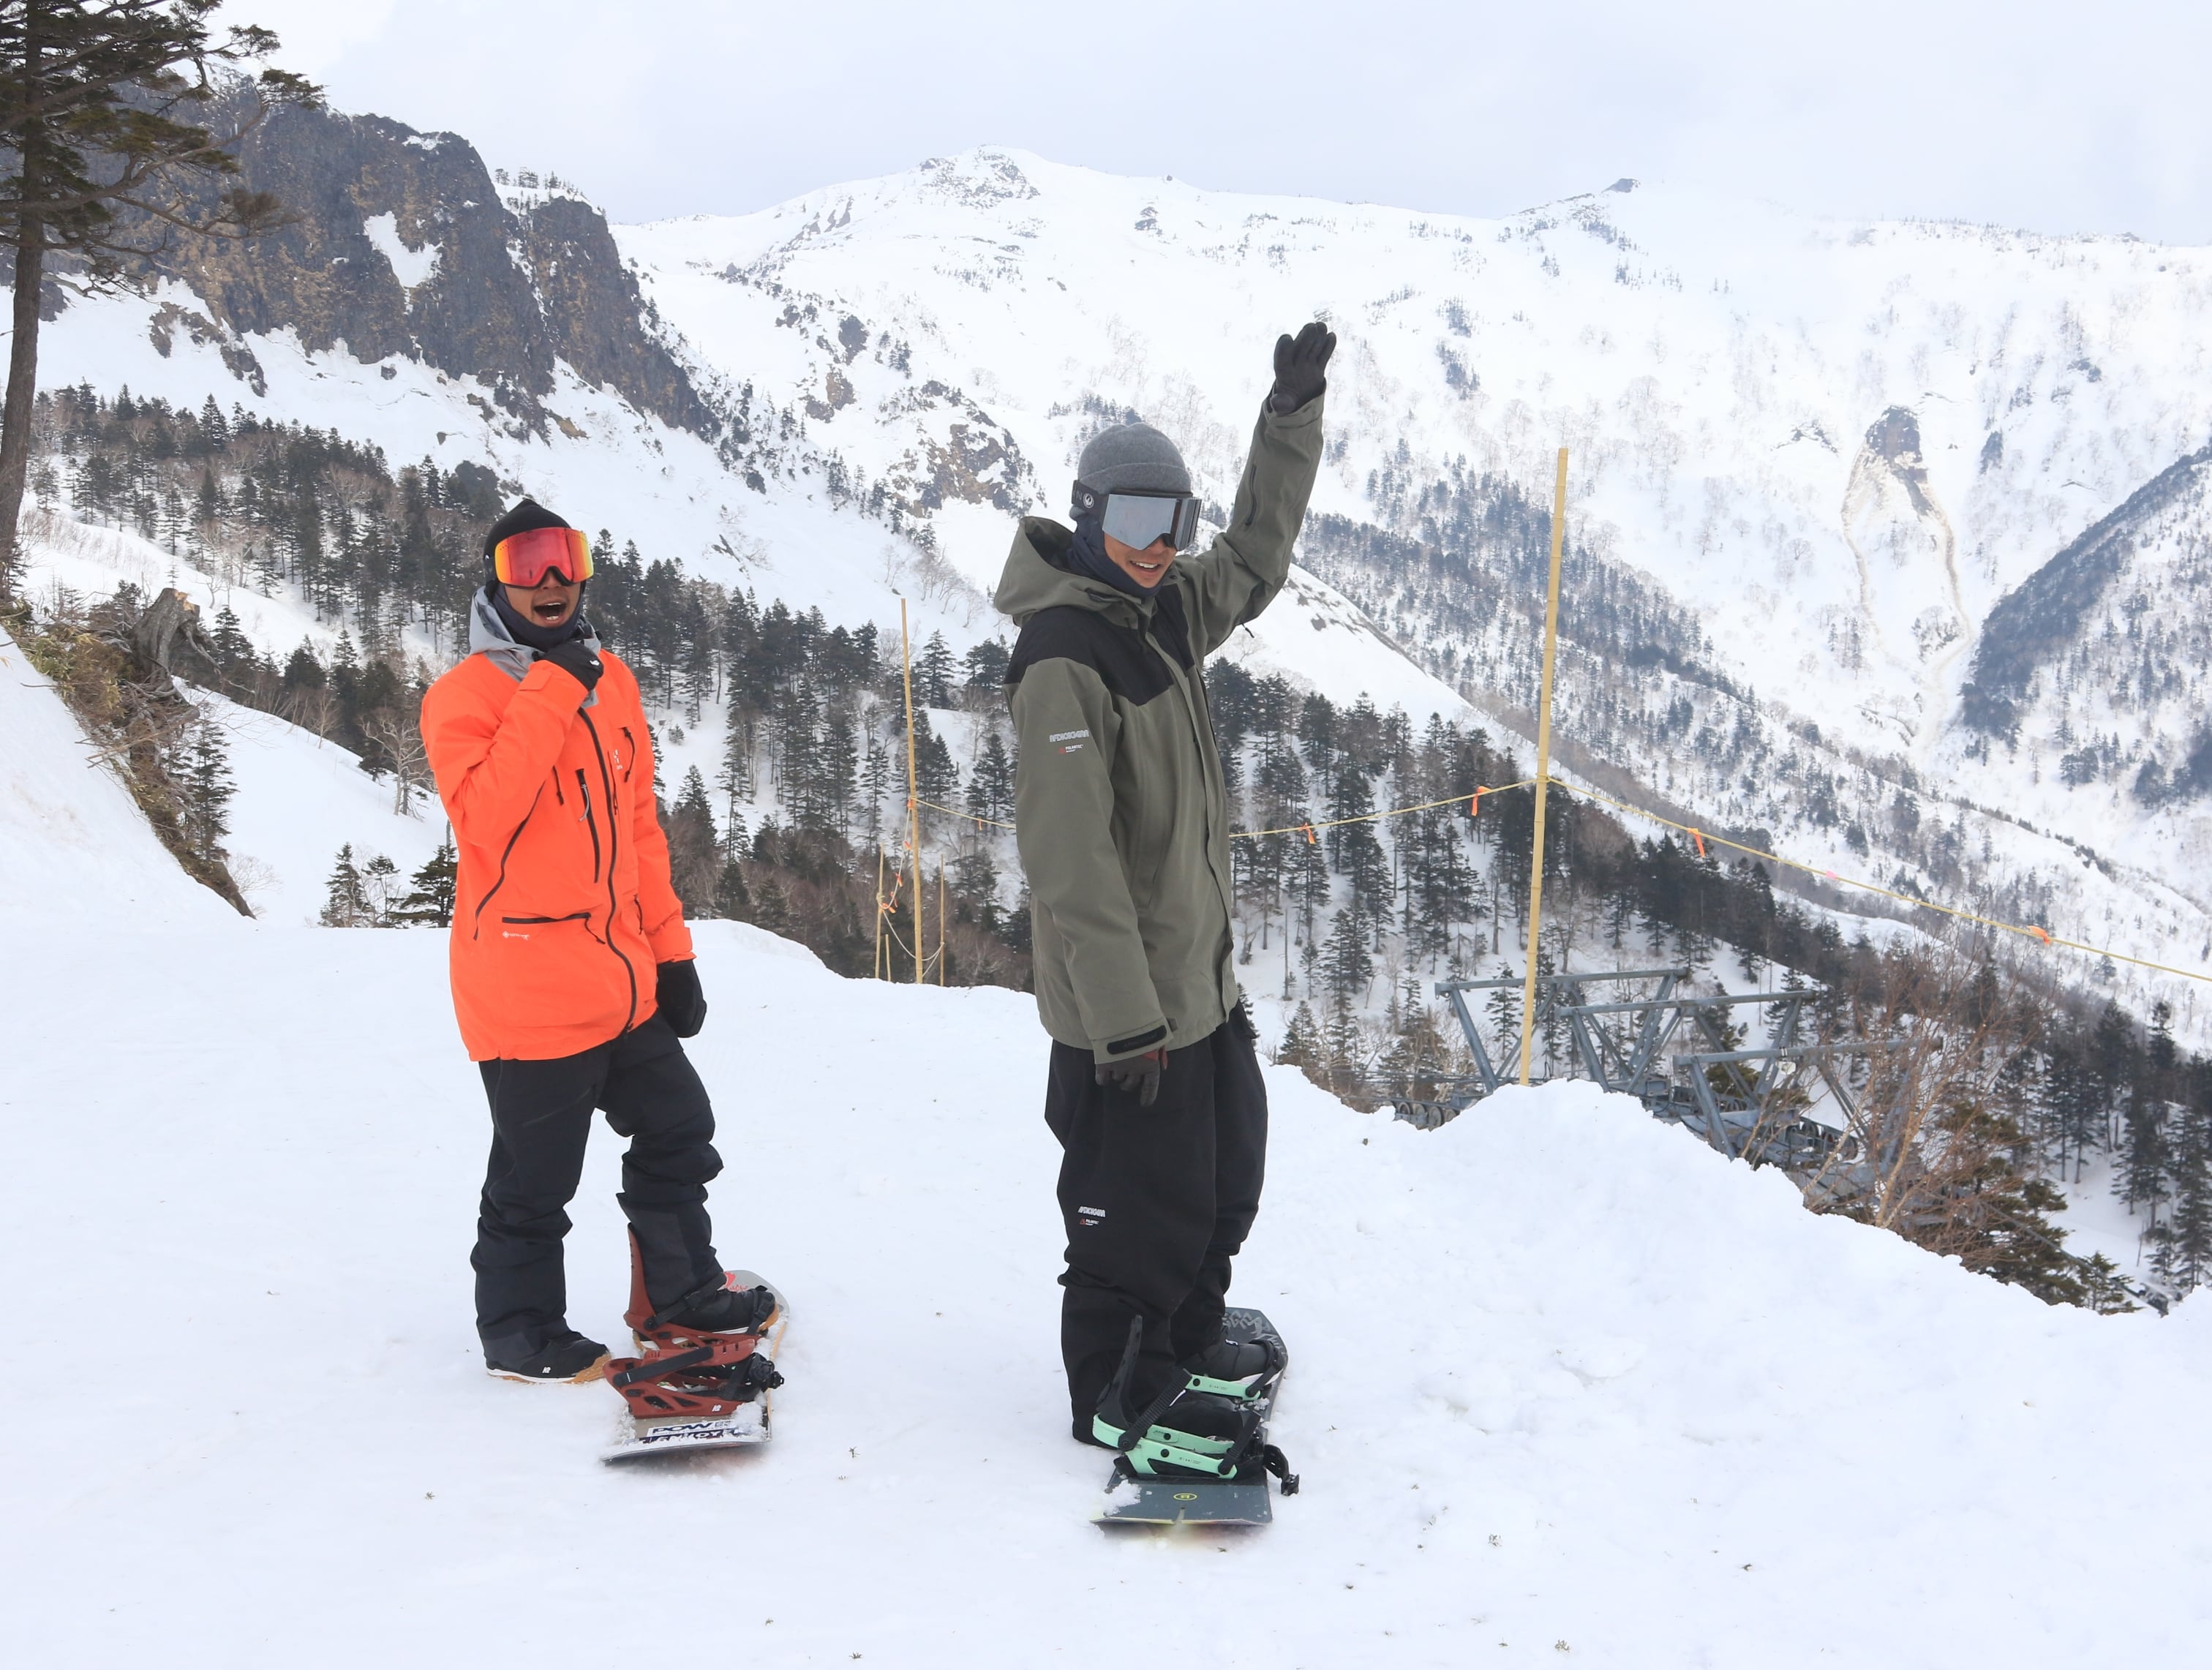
490	638
1037	577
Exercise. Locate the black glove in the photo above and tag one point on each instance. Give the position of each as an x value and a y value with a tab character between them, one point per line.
1138	1075
675	989
1301	367
578	659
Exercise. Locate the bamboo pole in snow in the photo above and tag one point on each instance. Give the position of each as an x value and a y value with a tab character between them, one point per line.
913	793
1543	766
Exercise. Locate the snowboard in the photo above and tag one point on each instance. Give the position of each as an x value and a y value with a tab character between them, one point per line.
1133	1500
748	1424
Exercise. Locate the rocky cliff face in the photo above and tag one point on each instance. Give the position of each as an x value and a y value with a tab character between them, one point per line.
401	246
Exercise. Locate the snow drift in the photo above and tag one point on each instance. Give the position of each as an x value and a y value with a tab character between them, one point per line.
1565	1383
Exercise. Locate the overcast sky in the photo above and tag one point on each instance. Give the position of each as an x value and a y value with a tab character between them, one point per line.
2061	116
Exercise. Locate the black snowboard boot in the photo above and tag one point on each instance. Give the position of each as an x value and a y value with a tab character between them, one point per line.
1239	1368
566	1359
661	1257
715	1306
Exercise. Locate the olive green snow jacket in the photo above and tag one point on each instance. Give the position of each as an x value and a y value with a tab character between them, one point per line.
1120	809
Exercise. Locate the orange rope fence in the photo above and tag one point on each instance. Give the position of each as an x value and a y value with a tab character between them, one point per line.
1700	839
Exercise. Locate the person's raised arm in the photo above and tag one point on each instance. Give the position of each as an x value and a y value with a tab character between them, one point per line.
1239	574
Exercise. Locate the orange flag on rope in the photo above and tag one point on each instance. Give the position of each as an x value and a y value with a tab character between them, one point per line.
1700	840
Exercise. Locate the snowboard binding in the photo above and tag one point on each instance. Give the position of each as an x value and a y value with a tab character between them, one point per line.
709	1378
1187	1431
717	1308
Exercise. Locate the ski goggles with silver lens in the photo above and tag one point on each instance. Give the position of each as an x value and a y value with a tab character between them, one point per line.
525	559
1141	520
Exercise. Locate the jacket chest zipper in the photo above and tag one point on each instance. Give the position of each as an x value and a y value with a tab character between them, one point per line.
590	822
1198	737
614	846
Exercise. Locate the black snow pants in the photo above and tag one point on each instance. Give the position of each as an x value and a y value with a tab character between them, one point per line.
541	1116
1158	1200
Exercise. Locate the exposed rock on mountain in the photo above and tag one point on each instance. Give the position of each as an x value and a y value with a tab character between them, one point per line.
485	293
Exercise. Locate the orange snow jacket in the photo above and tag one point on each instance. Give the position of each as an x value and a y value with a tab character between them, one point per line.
564	905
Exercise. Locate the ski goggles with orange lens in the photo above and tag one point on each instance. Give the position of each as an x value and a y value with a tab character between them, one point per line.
525	559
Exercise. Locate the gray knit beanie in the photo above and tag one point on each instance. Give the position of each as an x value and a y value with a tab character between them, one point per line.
1135	458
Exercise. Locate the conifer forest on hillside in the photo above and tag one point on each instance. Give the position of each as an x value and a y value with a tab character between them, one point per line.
799	830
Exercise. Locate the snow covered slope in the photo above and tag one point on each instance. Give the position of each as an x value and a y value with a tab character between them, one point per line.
75	849
1570	1389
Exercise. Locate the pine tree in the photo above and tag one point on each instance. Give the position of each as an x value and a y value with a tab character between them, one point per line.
2140	1173
380	882
2189	1246
935	775
233	648
344	904
694	850
932	673
1301	1044
429	901
732	902
205	788
1343	1048
1503	1006
1349	966
991	787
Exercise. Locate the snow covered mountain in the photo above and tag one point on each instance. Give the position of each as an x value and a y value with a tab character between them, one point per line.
1811	464
1885	537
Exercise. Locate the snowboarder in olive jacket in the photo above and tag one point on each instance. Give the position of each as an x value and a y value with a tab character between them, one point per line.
1123	818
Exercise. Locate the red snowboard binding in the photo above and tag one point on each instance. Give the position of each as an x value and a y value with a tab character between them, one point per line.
689	1370
737	1308
710	1378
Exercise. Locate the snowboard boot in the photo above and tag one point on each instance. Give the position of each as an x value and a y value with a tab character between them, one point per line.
1183	1433
712	1307
566	1359
1239	1368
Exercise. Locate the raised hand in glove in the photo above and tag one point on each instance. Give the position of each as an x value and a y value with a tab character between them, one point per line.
1301	367
676	990
1138	1075
578	659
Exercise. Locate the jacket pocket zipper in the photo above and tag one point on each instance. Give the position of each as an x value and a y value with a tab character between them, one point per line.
475	923
590	821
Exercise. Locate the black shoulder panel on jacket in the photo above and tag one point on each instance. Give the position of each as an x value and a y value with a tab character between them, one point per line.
1120	656
1167	608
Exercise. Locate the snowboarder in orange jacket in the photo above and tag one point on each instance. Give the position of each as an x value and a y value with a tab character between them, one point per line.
572	969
